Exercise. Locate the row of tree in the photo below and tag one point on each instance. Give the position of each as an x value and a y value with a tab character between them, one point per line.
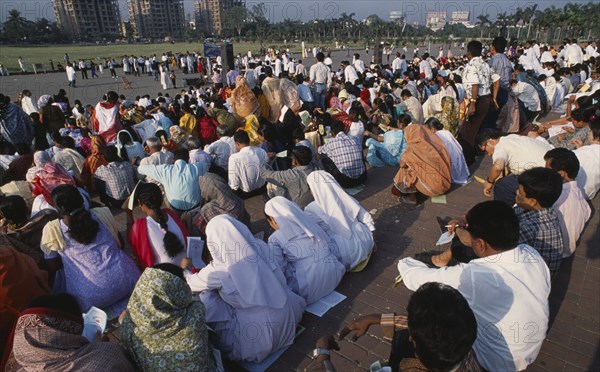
251	24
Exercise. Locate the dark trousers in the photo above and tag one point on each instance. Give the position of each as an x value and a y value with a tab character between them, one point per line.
219	172
248	194
492	116
469	129
401	348
344	181
505	190
104	198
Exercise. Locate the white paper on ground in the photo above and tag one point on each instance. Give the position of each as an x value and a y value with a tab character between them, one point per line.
194	251
322	306
445	238
94	321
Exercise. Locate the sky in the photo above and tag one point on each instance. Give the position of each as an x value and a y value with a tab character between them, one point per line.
306	10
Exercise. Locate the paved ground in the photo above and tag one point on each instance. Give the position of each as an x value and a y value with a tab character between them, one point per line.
572	344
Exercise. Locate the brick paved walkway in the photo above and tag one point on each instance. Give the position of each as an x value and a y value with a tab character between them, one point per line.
574	337
573	342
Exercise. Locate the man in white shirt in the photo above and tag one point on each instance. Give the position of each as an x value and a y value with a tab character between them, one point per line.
320	79
412	106
399	66
359	65
197	155
70	75
349	72
588	178
245	166
220	151
573	54
571	207
300	69
591	50
425	67
507	286
529	97
515	152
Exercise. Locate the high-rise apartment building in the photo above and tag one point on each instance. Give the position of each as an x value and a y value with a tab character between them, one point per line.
210	14
88	19
157	19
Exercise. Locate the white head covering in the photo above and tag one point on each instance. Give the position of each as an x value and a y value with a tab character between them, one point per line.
236	253
292	221
43	100
340	209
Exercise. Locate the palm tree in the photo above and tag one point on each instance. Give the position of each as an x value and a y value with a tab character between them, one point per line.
483	20
15	27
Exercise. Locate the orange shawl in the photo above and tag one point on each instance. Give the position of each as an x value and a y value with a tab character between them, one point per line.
425	164
93	162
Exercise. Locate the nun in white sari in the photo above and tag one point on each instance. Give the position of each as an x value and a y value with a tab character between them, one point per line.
343	219
246	297
302	250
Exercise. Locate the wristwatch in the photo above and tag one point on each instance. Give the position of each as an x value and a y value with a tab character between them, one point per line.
320	351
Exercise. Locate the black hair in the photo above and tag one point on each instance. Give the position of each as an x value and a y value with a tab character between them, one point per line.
111	154
14	209
150	196
170	268
485	135
405	93
442	338
561	159
500	44
298	133
61	301
112	96
474	47
241	137
542	184
584	114
595	128
320	57
181	154
69	203
68	142
434	123
496	223
337	127
405	119
302	154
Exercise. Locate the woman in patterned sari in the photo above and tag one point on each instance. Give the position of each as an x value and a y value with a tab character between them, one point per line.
164	326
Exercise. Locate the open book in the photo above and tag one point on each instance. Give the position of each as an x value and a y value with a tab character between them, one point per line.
322	306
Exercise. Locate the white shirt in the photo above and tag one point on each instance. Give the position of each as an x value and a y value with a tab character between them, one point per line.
425	68
28	105
573	212
244	169
156	239
574	54
70	73
520	153
359	65
508	293
588	178
158	158
199	156
319	74
350	74
356	131
220	151
527	94
546	57
460	170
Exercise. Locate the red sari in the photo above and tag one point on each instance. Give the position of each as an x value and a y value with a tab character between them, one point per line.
141	245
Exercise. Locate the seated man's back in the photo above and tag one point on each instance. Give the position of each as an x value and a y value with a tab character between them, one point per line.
507	287
244	166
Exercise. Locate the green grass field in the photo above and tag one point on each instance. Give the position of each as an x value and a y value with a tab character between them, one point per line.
42	54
